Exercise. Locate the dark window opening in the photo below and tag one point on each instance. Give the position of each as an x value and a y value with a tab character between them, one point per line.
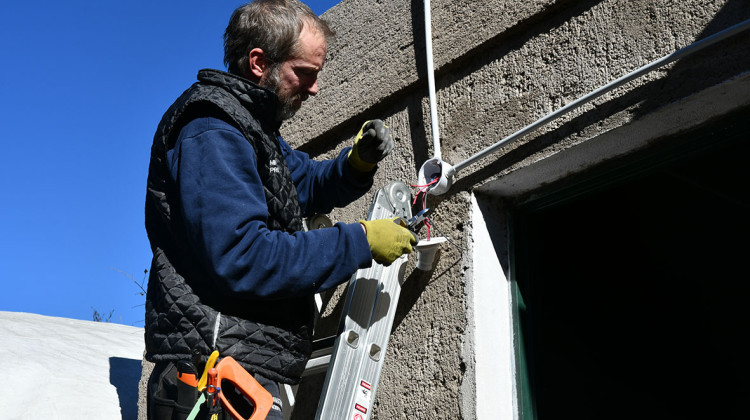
637	295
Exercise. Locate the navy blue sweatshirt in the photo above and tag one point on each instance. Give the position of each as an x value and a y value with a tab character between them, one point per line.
224	208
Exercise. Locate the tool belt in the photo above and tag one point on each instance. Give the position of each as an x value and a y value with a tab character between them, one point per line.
224	392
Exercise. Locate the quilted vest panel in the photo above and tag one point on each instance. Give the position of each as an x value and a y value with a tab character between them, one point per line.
183	312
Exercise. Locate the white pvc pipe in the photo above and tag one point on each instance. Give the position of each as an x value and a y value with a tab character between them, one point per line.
694	47
431	80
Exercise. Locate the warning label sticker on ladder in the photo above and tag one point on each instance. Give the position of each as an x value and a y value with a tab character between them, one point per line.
362	401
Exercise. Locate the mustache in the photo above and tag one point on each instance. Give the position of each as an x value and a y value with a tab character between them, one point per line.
291	100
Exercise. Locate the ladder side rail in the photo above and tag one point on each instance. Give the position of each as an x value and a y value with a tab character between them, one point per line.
372	297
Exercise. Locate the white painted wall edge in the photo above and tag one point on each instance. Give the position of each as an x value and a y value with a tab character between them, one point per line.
493	333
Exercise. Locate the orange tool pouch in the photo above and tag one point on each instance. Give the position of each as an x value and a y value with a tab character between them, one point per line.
238	388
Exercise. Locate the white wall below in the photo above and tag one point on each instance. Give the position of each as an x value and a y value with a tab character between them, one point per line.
59	368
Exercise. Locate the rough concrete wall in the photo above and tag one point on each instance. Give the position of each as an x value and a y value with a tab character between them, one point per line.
500	65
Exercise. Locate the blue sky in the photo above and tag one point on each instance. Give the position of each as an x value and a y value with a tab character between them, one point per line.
83	85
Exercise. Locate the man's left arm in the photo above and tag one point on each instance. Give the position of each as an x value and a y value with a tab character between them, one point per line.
323	185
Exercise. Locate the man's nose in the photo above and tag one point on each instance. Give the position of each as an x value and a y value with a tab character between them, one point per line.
313	87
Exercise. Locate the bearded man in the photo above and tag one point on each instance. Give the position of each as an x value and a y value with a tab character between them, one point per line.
233	271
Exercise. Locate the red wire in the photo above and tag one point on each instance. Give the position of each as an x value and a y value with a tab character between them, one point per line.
423	190
426	185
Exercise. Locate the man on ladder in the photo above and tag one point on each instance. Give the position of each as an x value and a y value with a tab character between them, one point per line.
233	271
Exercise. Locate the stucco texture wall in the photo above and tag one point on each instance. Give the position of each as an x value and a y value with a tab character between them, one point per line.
500	65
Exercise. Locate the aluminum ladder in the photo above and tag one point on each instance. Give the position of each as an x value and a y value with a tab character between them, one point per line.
359	350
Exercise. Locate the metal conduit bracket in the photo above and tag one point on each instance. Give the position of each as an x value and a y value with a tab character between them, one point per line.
436	168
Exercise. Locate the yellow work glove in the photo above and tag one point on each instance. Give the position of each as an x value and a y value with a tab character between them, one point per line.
372	144
388	239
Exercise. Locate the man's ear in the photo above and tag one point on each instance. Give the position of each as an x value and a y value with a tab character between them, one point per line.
257	64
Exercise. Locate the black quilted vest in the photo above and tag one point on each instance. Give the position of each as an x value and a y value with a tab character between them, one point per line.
183	311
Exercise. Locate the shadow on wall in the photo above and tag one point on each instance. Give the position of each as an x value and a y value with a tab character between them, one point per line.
700	70
473	60
124	375
688	75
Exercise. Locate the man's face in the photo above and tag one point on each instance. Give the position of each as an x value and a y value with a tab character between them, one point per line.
295	79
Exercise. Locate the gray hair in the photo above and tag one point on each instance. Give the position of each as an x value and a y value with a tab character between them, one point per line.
271	25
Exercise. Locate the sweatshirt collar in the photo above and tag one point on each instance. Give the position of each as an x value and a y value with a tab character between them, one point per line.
261	102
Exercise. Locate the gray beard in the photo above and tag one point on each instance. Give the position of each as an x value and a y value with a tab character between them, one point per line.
286	108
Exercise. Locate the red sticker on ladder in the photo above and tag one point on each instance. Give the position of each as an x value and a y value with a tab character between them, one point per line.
362	401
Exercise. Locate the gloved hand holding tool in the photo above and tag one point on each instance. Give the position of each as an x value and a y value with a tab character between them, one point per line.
373	142
388	239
